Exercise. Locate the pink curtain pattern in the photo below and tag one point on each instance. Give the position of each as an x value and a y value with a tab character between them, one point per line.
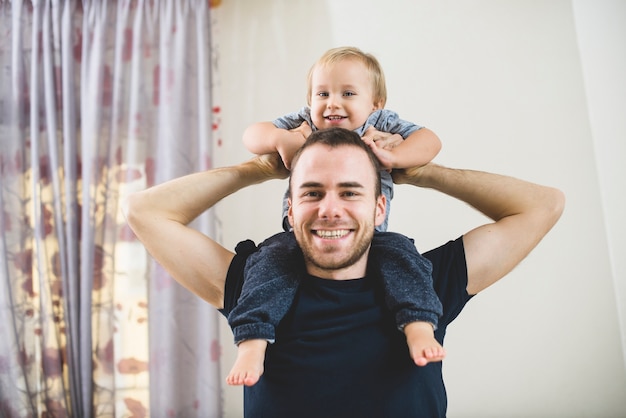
97	99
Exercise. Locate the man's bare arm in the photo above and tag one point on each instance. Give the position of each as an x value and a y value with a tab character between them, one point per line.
523	213
160	215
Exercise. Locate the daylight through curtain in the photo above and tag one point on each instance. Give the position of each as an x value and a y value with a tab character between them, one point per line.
97	99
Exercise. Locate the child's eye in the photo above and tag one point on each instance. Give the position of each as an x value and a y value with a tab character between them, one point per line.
322	94
349	93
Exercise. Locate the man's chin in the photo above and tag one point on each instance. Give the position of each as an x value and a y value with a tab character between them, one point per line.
331	261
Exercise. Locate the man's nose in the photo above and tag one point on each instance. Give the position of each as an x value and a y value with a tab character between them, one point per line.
329	207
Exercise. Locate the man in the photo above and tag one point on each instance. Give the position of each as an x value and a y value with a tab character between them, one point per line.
337	351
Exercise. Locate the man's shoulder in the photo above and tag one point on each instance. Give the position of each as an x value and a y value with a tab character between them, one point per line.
235	275
449	277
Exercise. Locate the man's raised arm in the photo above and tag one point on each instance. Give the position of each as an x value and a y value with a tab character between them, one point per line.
160	215
523	213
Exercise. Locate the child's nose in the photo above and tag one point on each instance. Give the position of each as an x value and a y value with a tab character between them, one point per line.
333	101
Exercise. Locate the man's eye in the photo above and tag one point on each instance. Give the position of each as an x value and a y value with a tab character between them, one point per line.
349	194
311	194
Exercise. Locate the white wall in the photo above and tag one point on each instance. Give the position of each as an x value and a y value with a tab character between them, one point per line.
503	85
601	30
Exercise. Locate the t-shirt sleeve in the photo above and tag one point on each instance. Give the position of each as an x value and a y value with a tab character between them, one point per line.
234	277
386	120
450	278
293	120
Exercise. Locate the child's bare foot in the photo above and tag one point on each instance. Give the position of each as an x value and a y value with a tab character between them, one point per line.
248	366
423	346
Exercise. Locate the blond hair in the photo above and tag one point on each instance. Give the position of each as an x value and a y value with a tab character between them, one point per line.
335	55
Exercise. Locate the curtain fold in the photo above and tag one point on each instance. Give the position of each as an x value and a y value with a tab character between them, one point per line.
98	99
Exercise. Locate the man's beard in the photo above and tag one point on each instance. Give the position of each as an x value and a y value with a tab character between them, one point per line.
322	261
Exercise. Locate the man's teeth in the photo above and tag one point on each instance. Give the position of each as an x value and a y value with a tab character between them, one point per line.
332	234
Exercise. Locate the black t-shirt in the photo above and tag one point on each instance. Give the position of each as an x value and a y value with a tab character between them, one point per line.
338	352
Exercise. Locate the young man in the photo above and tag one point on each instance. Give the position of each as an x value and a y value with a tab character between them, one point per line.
338	352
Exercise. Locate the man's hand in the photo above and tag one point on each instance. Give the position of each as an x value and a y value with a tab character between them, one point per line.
271	165
410	175
287	148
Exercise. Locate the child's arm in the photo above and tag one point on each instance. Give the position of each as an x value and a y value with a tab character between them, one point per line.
416	150
265	138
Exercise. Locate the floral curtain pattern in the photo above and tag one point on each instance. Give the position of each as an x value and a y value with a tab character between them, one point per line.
97	99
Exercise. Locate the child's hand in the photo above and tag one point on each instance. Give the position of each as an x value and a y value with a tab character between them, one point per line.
304	129
382	144
383	140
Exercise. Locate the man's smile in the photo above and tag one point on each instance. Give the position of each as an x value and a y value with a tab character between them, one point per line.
331	234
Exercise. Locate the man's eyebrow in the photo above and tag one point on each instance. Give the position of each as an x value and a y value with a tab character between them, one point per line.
351	185
343	185
310	185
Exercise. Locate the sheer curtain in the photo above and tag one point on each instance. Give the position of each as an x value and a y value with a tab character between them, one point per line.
97	99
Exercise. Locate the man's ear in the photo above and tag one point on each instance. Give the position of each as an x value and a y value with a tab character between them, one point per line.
289	212
381	210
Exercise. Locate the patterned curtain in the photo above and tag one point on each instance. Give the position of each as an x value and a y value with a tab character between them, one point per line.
99	98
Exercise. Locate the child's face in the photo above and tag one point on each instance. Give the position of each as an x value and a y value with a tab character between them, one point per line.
341	95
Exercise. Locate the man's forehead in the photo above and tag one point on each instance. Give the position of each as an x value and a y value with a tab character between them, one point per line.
343	151
331	166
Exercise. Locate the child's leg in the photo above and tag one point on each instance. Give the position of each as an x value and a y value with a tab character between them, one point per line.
423	347
248	366
271	277
409	294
